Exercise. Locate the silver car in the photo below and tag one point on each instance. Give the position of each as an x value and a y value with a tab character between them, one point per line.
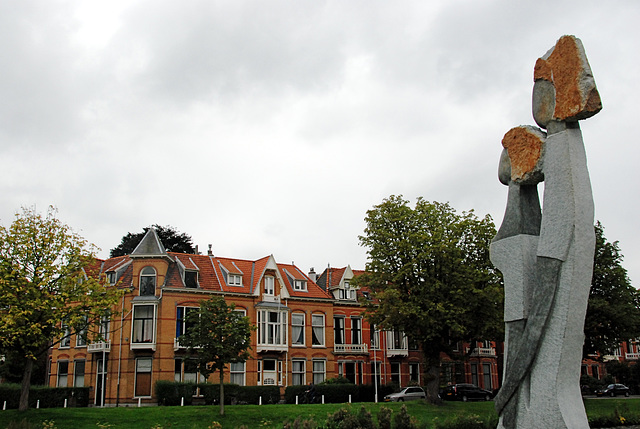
406	394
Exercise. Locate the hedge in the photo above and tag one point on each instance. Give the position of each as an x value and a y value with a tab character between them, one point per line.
49	397
339	393
171	393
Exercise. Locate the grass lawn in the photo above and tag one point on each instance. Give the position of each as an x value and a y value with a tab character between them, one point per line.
252	416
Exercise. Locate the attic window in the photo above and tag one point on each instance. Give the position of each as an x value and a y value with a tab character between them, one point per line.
191	279
148	281
235	280
299	285
112	277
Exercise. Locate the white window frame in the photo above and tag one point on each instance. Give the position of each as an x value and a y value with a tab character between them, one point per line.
319	375
299	285
297	323
272	334
297	373
238	370
78	379
318	327
339	326
60	376
269	285
143	344
145	276
234	279
356	330
135	385
65	341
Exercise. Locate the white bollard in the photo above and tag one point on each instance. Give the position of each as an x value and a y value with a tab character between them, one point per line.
4	407
260	401
182	401
296	400
322	399
349	398
65	402
38	404
139	402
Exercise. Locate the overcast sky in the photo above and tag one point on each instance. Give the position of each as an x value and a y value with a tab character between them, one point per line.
271	127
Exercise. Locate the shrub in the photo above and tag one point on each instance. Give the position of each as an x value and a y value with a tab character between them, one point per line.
384	418
404	421
466	421
49	397
234	394
171	392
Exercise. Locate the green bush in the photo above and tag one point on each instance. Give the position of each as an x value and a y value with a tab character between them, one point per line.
466	421
234	394
172	393
49	397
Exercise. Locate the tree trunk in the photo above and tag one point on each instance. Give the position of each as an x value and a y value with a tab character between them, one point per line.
432	375
26	385
222	391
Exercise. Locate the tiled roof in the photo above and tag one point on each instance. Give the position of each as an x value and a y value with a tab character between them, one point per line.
313	290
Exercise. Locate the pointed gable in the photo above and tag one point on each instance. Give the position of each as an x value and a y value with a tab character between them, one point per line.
149	246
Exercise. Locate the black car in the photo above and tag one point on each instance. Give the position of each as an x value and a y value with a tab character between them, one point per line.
466	392
614	390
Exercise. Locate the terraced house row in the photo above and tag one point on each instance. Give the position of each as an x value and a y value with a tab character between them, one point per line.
309	328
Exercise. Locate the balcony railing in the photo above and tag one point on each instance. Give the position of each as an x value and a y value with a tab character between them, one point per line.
143	345
99	347
350	348
483	351
632	356
397	352
272	348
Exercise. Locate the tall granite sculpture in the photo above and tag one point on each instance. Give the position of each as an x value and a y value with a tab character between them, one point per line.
546	256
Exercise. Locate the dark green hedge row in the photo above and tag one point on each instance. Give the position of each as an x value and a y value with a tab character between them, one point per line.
171	393
339	393
49	397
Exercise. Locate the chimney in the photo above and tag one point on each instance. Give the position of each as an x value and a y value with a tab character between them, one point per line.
210	252
312	275
197	253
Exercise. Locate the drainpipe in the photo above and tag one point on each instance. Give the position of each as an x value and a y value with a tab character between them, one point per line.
120	353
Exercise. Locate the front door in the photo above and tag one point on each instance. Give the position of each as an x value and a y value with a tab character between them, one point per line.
100	384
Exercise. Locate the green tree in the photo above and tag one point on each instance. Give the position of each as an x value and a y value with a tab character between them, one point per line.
613	313
430	276
217	335
48	289
172	240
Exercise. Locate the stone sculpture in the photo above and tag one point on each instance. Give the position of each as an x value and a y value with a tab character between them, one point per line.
546	256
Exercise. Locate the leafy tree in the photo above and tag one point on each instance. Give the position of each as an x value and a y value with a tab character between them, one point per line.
47	290
172	240
217	335
613	313
430	276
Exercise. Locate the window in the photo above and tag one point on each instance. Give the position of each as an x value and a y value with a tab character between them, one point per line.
272	327
182	314
81	334
474	374
319	371
317	332
112	277
374	337
103	329
235	280
299	285
395	372
298	372
237	373
63	373
148	281
347	292
270	374
143	321
65	342
486	374
186	370
414	372
269	288
297	329
338	330
191	279
78	373
356	330
143	377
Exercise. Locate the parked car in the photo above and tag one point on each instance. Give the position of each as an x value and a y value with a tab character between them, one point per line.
406	394
614	390
466	392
